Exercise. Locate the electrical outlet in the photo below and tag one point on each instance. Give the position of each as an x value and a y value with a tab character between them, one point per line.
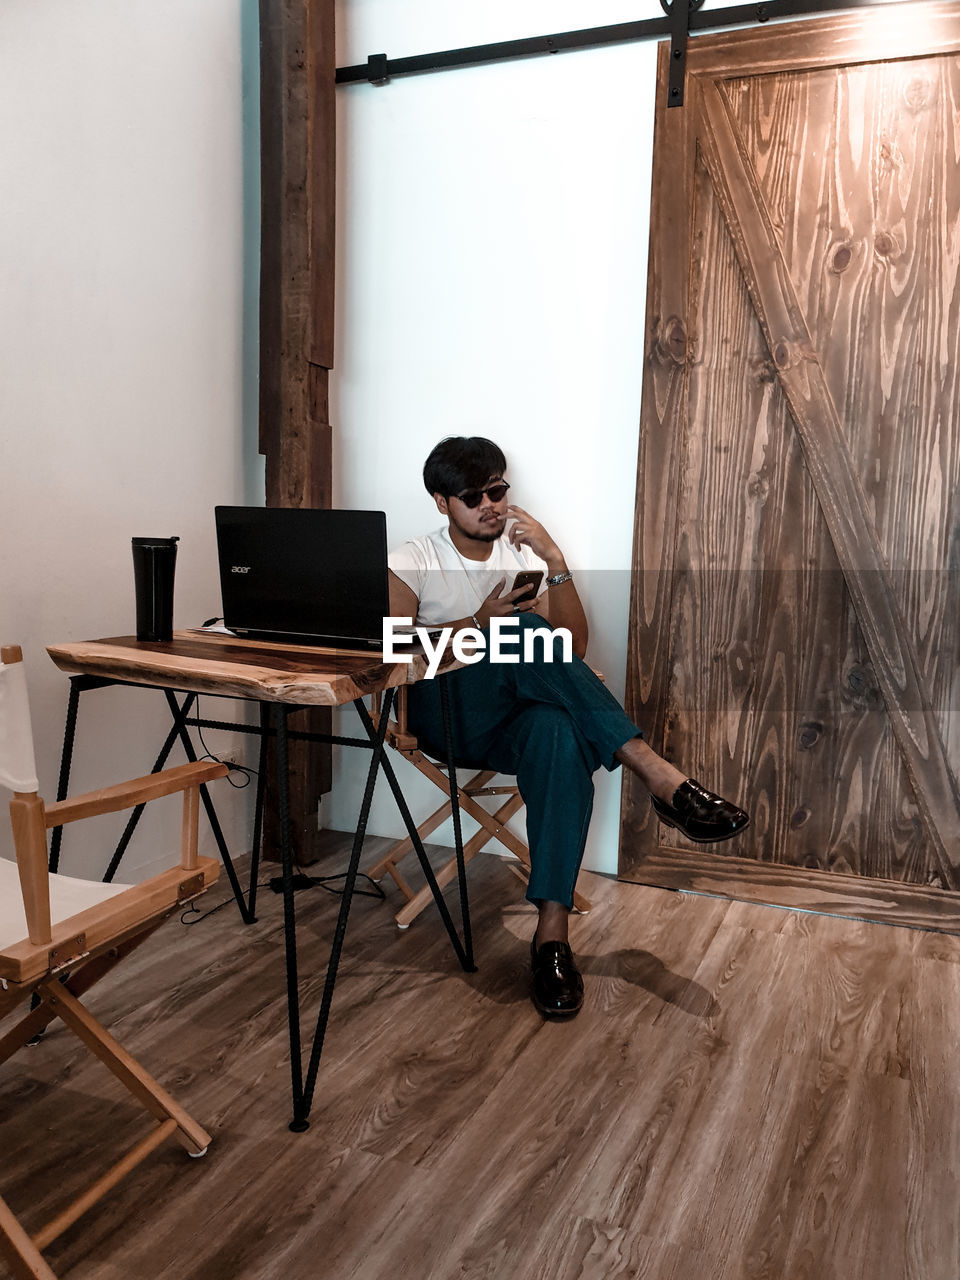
231	752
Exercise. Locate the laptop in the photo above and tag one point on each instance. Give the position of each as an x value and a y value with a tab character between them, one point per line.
304	576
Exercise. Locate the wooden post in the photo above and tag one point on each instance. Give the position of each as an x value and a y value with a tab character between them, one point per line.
298	150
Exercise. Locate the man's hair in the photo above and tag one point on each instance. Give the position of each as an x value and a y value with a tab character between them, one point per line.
462	462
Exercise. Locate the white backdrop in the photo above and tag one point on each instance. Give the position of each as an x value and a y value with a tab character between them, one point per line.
492	236
121	392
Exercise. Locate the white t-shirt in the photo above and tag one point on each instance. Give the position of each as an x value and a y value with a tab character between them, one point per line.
448	585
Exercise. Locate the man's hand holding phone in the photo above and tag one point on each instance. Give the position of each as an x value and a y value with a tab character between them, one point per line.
528	581
521	598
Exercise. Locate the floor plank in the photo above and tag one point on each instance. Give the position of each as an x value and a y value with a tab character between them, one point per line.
749	1094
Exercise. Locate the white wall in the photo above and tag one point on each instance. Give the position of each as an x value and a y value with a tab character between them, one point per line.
121	307
492	242
492	229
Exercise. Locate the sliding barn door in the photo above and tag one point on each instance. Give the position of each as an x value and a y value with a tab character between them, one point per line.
795	620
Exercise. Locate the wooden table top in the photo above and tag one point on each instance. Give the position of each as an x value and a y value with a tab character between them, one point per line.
205	662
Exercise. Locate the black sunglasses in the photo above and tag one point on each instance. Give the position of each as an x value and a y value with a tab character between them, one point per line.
473	497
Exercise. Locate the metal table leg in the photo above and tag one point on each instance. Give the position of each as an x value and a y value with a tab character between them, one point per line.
464	950
179	714
446	712
66	760
258	809
80	684
303	1090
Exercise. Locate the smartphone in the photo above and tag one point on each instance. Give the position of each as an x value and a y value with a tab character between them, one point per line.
529	578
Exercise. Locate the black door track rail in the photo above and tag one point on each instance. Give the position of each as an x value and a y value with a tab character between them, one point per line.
682	17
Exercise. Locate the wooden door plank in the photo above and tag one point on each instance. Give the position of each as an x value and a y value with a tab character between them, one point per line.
838	489
663	413
704	870
856	167
913	29
765	644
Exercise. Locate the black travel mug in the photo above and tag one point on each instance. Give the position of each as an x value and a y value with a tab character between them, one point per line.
154	561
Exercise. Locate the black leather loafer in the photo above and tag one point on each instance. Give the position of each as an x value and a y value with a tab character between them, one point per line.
701	815
557	984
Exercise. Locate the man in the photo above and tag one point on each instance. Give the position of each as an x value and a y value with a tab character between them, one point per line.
552	723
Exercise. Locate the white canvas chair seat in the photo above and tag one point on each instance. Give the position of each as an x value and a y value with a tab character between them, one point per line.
59	935
68	897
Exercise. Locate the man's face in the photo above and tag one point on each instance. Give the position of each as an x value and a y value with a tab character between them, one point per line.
483	523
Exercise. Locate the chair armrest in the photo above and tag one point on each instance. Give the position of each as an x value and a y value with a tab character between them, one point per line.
126	795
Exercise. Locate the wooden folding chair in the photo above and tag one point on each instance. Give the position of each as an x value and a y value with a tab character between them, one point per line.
493	826
59	936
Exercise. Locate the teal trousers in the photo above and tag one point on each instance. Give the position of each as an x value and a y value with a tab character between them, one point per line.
550	723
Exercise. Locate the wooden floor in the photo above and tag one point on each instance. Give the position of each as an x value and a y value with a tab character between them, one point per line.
749	1092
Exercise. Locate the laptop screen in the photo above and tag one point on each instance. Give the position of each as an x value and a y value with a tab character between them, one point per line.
301	573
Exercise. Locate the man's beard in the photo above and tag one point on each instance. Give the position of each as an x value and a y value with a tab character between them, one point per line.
496	530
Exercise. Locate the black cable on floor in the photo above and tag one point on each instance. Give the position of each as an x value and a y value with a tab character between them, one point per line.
300	881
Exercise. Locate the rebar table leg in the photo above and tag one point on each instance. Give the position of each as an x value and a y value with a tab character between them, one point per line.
179	717
446	712
300	1111
258	808
464	953
345	901
178	721
66	760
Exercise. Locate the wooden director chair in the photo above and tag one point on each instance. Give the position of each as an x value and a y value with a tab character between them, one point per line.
59	936
493	826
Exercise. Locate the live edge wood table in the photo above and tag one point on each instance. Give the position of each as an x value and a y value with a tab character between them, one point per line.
280	678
